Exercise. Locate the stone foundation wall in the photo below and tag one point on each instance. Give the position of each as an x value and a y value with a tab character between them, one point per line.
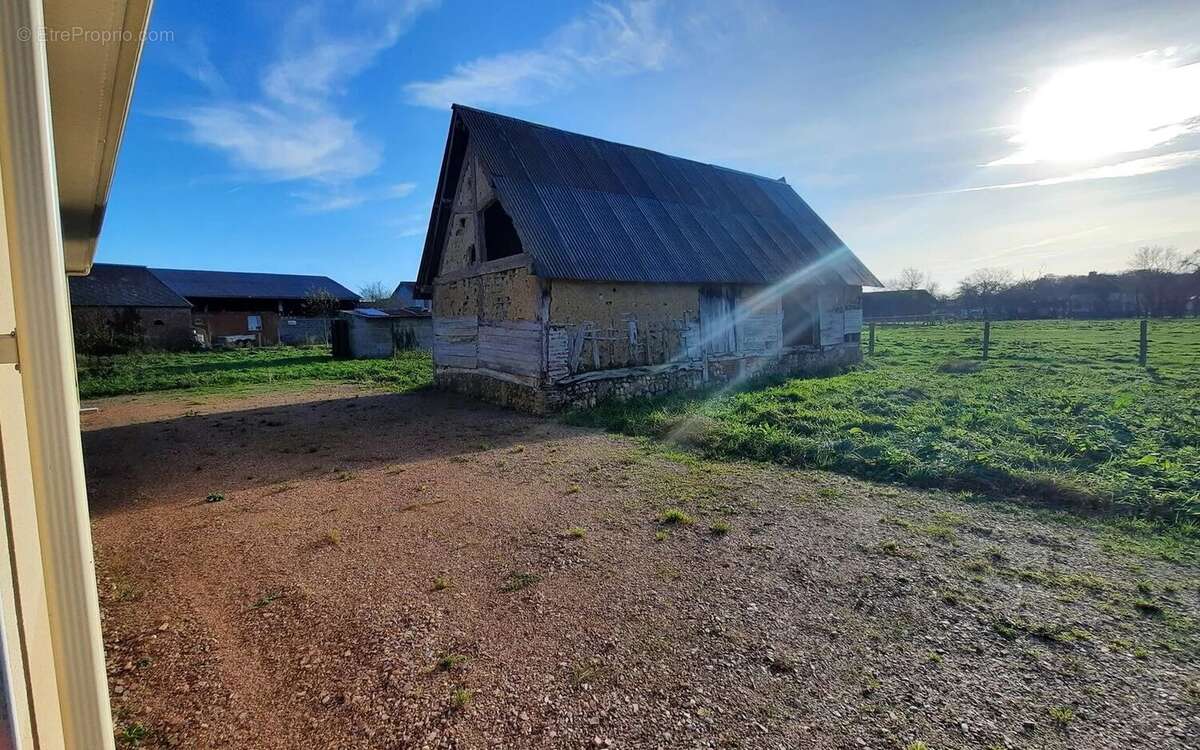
593	388
488	388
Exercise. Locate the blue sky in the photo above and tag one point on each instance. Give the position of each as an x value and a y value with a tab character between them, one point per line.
306	137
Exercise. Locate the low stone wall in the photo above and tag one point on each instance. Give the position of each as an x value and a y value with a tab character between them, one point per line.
488	388
592	388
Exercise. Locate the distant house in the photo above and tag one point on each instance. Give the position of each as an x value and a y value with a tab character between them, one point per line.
404	298
565	269
117	307
898	303
231	307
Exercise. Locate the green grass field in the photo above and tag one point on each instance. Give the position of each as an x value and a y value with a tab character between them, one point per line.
1061	412
241	368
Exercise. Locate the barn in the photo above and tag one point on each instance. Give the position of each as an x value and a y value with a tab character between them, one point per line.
565	269
119	306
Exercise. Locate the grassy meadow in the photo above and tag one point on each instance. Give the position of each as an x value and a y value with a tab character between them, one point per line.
239	368
1060	412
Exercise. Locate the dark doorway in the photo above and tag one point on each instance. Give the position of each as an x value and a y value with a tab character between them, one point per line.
801	321
500	238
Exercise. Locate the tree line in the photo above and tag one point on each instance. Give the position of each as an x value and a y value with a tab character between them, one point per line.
1158	282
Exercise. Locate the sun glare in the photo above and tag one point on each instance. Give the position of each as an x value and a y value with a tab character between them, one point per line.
1100	109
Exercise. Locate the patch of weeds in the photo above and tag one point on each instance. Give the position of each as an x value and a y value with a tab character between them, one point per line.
574	489
941	533
267	598
949	518
1149	607
1062	716
661	536
460	698
870	685
977	565
124	590
577	532
214	497
951	597
585	674
1145	588
441	583
720	528
828	493
1012	628
132	734
332	538
668	572
892	548
675	517
933	657
916	745
517	580
342	475
447	662
1140	653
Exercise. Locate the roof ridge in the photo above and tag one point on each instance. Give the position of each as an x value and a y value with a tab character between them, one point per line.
530	123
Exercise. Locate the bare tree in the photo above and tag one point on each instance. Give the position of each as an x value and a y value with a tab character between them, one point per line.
910	278
320	303
1159	259
982	288
374	292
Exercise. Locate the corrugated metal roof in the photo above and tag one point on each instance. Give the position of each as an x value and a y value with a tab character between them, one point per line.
586	208
115	285
235	284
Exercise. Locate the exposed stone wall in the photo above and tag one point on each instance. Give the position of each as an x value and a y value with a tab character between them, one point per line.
485	387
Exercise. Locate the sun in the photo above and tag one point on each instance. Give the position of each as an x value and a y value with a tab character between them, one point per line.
1091	111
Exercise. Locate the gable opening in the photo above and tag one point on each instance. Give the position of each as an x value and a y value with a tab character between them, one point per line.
500	238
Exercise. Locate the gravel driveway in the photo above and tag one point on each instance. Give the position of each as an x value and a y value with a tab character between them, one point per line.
356	570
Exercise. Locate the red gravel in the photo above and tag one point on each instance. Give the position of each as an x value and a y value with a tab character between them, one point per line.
304	610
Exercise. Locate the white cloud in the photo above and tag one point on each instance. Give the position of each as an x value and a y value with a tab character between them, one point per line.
1131	168
292	129
607	41
337	198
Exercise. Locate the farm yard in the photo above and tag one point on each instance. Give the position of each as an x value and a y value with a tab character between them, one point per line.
927	551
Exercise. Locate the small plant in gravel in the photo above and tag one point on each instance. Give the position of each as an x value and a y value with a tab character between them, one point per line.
332	538
941	533
214	497
660	536
441	583
342	475
675	517
916	745
584	674
720	527
574	489
132	735
977	566
577	532
447	662
517	580
933	657
267	598
1148	607
1062	716
460	698
1145	588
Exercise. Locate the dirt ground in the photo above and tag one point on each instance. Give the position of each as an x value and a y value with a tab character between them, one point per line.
394	571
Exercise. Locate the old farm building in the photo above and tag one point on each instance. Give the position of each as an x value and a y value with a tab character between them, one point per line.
564	269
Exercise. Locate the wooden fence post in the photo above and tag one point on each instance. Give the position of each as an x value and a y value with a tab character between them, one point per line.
871	338
1143	343
987	337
